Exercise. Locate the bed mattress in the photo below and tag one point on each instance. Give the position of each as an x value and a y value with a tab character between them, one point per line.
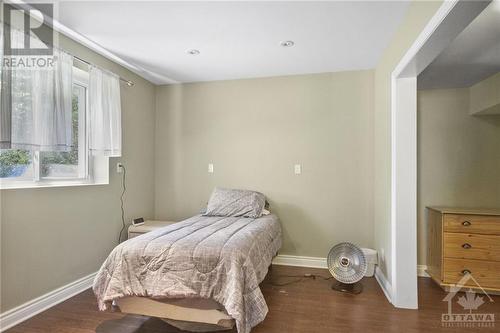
219	258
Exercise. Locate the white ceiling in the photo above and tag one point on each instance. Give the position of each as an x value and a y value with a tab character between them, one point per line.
237	39
472	57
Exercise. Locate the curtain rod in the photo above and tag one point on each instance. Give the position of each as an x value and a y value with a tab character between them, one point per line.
23	5
127	82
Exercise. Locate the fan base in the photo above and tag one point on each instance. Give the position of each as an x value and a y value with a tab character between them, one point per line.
354	288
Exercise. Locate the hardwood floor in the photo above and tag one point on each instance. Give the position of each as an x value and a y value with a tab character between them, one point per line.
306	306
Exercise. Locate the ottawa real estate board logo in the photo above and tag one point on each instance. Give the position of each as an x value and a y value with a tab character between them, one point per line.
470	302
28	37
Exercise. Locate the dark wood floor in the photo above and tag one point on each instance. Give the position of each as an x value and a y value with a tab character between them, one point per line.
307	306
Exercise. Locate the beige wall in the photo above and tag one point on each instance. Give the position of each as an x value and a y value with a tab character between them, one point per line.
53	236
458	156
417	17
254	131
485	96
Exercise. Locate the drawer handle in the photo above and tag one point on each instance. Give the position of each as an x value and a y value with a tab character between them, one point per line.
465	272
466	223
466	246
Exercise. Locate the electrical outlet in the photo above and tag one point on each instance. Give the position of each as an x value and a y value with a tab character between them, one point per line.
119	167
210	168
297	169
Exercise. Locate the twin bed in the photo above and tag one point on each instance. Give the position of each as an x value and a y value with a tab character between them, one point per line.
200	274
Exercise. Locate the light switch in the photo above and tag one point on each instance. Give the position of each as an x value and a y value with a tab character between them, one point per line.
298	169
210	168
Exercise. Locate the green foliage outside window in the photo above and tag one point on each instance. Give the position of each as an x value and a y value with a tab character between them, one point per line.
11	159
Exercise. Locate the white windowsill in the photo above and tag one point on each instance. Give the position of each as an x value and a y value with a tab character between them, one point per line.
100	172
19	184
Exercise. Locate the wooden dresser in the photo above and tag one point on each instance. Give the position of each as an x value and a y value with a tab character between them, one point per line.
464	241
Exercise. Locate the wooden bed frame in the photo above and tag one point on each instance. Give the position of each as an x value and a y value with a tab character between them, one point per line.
190	314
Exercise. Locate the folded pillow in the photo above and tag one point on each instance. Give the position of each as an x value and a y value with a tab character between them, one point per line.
229	202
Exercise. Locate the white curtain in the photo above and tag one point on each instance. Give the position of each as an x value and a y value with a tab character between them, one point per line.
105	130
38	101
5	114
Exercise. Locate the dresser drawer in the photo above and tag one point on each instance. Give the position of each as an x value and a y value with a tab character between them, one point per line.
486	273
473	224
472	246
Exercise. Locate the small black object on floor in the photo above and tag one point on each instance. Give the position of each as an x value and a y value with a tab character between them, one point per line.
353	288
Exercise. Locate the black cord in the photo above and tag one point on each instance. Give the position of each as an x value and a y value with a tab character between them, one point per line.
299	278
124	188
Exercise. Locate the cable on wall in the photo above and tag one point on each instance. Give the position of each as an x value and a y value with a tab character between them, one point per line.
124	189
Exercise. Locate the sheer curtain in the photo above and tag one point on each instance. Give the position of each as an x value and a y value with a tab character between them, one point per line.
5	111
105	132
38	101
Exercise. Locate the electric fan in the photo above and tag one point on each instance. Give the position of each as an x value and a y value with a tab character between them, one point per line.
347	264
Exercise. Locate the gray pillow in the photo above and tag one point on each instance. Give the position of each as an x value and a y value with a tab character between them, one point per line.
228	202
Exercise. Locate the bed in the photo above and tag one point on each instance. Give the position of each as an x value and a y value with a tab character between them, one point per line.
199	274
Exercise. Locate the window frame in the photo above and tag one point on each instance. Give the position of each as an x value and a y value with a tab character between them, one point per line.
81	83
92	170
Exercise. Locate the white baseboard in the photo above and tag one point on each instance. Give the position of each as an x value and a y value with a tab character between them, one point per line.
317	262
421	271
29	309
384	283
313	262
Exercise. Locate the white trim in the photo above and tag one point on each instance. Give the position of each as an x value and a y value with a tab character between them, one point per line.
385	285
450	19
29	309
404	193
425	35
75	36
299	261
422	271
318	262
144	73
6	184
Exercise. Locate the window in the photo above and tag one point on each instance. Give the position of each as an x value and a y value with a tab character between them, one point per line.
72	164
23	168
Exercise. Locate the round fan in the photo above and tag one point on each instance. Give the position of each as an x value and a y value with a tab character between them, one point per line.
347	264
